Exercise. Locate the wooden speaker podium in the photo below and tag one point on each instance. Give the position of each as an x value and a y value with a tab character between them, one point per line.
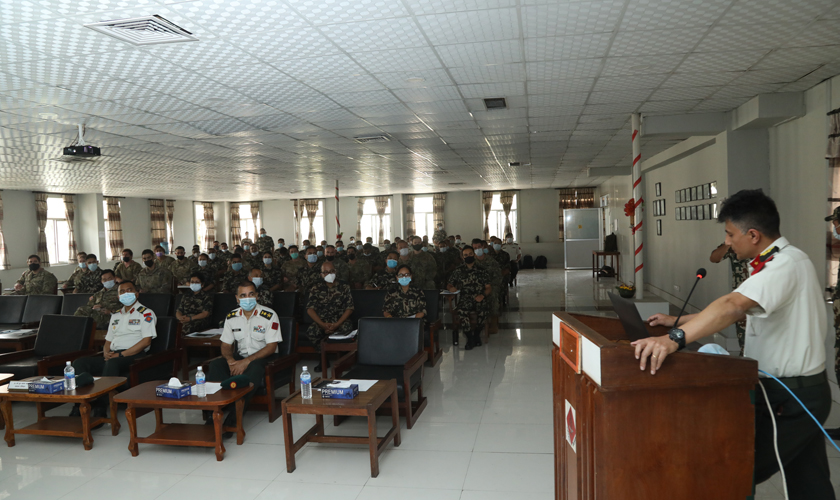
623	434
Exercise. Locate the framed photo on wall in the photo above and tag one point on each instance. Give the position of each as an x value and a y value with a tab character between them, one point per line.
662	207
707	213
659	227
707	191
713	189
658	187
694	212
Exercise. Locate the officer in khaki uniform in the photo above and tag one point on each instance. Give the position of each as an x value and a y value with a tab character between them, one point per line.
154	278
127	269
37	280
256	332
182	267
102	303
89	281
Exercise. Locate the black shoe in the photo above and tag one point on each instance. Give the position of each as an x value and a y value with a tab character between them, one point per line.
477	338
75	411
317	368
207	415
834	433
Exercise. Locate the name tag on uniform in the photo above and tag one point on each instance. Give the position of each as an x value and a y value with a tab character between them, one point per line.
134	322
236	329
259	329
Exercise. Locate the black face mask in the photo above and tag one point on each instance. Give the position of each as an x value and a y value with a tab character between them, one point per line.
417	247
330	258
351	256
180	257
469	260
216	247
126	259
34	266
149	263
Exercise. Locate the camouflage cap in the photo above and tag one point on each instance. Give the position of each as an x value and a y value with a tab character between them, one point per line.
834	215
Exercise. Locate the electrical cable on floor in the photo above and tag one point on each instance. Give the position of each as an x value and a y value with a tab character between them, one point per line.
775	439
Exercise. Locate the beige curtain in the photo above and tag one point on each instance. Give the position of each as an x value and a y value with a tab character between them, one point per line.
410	227
438	202
311	213
255	214
70	215
115	236
298	210
170	223
506	198
381	205
235	230
41	218
486	202
360	212
574	198
209	225
4	252
158	218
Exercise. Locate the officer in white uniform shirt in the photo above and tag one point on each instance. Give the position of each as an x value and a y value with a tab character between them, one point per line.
129	336
256	331
515	256
786	334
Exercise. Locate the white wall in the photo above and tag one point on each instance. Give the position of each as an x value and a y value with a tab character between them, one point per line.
136	224
90	223
537	214
278	219
462	214
619	190
184	225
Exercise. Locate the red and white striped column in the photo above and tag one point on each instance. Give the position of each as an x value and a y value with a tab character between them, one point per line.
337	223
639	262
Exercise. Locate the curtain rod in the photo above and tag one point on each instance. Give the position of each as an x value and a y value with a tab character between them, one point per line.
833	112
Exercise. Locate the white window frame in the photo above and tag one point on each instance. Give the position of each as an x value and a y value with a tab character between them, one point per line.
496	223
246	222
320	230
57	232
200	228
424	219
107	228
370	220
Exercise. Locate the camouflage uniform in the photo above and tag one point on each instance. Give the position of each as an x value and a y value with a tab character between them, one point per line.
42	283
281	259
181	270
265	296
107	299
495	274
423	270
230	281
208	275
193	304
401	304
360	271
155	280
74	278
265	243
471	283
308	277
291	268
329	303
246	242
740	272
382	279
439	235
165	262
272	276
129	273
252	261
89	282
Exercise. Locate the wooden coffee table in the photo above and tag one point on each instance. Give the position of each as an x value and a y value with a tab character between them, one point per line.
63	426
4	379
143	397
14	343
363	405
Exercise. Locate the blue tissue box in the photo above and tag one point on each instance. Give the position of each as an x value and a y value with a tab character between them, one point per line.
173	392
340	392
47	387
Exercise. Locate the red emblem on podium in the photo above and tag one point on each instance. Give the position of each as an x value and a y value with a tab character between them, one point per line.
571	430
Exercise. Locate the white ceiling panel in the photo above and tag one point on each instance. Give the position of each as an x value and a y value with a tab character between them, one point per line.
383	34
749	36
775	11
584	46
223	19
388	61
571	18
471	26
721	61
663	14
483	53
663	41
562	70
339	11
637	65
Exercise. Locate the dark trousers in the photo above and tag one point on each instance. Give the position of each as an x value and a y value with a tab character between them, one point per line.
514	270
219	371
801	442
99	367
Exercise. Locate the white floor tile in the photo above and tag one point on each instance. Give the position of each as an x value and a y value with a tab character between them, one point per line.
515	438
414	469
45	482
432	436
202	488
161	459
126	485
308	491
514	472
329	465
246	461
387	493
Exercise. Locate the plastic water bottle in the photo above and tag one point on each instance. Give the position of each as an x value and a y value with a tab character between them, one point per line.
305	384
69	377
200	387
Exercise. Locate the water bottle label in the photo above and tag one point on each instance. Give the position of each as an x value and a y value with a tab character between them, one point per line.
305	379
199	379
69	375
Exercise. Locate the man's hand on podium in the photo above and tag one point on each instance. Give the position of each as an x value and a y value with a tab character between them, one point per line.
657	348
661	320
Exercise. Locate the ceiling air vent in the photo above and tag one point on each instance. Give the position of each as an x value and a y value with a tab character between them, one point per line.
147	30
363	139
495	103
514	164
456	183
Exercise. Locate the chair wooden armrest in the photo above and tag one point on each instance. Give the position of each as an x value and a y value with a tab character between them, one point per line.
344	363
415	363
283	363
48	362
153	360
10	357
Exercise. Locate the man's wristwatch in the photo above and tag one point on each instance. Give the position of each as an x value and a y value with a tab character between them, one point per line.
677	336
120	354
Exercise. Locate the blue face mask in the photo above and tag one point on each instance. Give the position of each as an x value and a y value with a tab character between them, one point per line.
320	254
294	255
425	249
280	245
93	267
246	247
443	249
202	263
312	258
267	261
195	287
257	282
392	263
834	232
248	303
237	266
497	247
83	265
339	249
127	298
404	281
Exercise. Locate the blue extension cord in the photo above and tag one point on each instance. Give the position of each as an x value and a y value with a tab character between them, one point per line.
803	407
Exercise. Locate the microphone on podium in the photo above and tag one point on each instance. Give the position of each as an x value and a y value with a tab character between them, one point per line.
701	273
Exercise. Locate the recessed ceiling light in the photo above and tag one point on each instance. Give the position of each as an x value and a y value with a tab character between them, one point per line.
415	79
48	116
640	67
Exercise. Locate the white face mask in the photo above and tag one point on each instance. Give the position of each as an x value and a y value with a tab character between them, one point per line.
329	278
108	284
510	240
834	232
404	251
195	287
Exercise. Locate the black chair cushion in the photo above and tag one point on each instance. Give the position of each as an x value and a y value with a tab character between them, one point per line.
432	305
367	304
383	372
284	303
223	303
40	305
11	308
166	328
73	301
160	303
22	368
60	334
287	331
388	341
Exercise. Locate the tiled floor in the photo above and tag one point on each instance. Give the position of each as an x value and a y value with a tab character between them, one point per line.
485	435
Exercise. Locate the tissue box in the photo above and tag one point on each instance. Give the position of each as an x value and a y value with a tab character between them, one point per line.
340	392
172	392
50	387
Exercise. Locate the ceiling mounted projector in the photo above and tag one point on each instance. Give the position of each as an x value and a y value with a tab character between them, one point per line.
79	148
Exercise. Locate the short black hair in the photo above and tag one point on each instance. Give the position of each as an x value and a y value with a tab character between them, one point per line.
393	252
127	281
91	256
198	275
180	248
235	256
33	256
751	209
108	271
291	247
147	252
467	248
478	241
404	266
246	284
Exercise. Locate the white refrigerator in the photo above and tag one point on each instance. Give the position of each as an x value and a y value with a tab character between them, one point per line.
581	236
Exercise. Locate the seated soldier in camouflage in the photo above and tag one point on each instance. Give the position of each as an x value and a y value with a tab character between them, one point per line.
404	300
154	278
360	269
37	280
330	306
81	257
387	276
230	281
182	267
473	283
310	273
163	260
102	303
196	307
264	295
91	280
272	274
208	272
126	269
